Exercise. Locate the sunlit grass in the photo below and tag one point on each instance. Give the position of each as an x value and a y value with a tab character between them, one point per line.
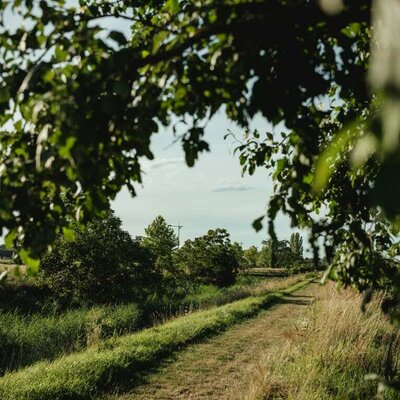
120	360
336	347
25	339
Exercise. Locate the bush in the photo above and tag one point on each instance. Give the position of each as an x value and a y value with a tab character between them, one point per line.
209	259
102	264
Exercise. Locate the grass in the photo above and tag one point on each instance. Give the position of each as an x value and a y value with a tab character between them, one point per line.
218	368
336	348
26	339
119	360
210	296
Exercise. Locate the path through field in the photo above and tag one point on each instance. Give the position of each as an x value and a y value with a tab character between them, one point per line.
220	368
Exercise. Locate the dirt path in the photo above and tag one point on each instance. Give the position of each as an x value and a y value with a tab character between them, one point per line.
219	368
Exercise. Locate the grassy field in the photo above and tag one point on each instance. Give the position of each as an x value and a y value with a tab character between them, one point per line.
271	272
25	339
336	347
115	361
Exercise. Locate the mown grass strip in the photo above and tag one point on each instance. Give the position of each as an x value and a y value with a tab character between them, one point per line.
119	360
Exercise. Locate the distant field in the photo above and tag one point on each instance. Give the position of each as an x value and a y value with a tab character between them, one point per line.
9	265
267	272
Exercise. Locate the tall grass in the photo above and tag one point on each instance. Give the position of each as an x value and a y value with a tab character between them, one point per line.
121	360
26	339
337	346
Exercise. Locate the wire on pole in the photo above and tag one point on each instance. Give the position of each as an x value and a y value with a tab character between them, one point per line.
179	227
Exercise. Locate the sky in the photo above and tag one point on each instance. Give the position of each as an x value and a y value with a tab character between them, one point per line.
212	194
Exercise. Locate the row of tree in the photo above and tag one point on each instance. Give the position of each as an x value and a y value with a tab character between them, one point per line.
276	253
103	263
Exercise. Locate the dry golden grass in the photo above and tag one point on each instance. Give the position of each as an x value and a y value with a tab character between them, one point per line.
270	285
335	347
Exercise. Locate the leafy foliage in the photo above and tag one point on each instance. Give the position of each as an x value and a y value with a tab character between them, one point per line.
296	245
209	259
276	254
250	256
80	102
161	240
102	264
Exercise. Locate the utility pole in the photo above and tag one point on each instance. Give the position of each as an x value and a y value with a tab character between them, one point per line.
179	227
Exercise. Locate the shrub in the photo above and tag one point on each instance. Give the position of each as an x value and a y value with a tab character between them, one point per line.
102	264
210	259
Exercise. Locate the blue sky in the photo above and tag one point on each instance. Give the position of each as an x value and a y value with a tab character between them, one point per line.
212	194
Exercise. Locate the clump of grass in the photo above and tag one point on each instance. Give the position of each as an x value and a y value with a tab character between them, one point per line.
83	375
336	348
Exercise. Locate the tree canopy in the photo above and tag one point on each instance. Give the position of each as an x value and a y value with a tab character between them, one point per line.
79	103
296	245
210	259
101	264
161	240
160	237
276	254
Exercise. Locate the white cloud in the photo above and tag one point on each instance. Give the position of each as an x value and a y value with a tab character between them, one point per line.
232	187
164	162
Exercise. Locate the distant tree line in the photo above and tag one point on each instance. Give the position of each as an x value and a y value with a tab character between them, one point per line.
102	263
281	254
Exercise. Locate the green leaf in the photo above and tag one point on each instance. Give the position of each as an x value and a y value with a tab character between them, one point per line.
118	37
69	234
158	39
280	164
308	178
65	151
173	6
60	53
9	239
5	214
331	156
257	224
31	263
